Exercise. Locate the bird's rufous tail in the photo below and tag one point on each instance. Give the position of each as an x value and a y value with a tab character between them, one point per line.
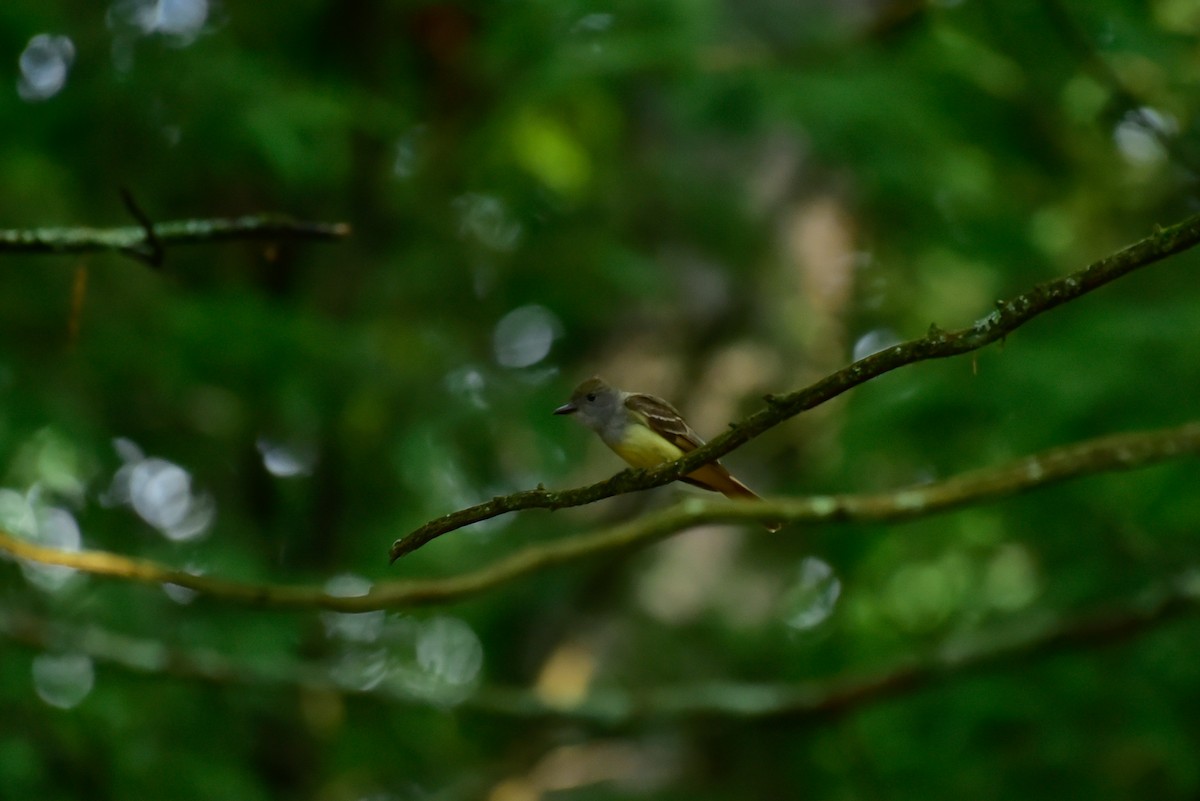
716	478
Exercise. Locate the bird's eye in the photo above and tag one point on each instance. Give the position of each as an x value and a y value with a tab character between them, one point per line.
591	396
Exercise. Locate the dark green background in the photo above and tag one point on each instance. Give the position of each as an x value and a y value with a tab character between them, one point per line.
707	200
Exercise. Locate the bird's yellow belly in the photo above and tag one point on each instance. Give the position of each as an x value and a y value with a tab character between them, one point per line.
641	447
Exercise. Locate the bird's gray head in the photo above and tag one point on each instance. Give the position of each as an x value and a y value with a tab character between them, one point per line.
595	404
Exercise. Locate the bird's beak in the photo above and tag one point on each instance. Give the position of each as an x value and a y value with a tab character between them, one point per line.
567	408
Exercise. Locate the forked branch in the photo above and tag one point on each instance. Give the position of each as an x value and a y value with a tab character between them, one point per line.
148	241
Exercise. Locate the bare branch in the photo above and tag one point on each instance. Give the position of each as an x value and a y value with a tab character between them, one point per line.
611	707
1007	317
1111	453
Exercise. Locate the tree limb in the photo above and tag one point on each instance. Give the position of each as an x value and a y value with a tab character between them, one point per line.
1008	316
1105	454
806	700
612	707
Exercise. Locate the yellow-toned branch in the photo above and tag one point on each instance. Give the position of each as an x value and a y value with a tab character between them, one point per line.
1105	454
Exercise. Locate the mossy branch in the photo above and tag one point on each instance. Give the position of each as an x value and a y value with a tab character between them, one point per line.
1008	316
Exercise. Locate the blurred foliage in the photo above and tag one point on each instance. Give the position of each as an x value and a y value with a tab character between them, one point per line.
706	200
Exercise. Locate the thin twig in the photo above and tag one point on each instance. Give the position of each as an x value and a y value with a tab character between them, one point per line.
151	249
1133	107
1111	453
1007	317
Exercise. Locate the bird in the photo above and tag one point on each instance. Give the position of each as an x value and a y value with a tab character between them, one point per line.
646	431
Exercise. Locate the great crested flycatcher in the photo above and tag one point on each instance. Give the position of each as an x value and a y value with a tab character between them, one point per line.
647	431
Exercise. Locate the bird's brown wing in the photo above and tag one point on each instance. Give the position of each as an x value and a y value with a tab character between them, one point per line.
664	420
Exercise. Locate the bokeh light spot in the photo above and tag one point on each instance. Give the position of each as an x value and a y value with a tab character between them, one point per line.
44	64
523	337
63	680
812	596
